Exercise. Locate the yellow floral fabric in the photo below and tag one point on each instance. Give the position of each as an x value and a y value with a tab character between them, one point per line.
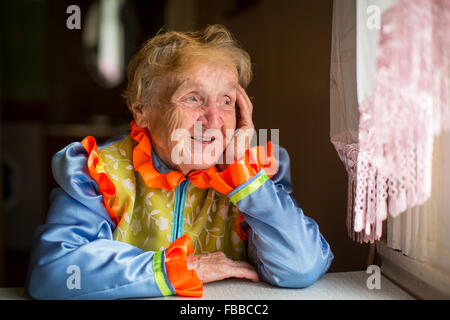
147	214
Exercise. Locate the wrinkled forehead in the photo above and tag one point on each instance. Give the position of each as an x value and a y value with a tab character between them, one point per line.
190	83
201	67
188	76
190	80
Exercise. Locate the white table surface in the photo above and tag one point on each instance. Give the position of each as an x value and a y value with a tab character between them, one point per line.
334	286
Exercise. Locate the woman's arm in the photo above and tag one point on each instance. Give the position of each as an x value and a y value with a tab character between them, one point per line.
285	245
74	255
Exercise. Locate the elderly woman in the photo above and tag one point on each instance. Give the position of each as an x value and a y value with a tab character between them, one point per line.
157	212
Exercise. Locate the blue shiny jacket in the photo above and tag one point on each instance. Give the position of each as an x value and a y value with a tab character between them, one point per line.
285	245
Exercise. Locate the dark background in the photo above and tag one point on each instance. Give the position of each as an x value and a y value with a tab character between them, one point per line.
49	98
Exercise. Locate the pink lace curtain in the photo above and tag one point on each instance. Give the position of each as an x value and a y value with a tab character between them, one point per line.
388	151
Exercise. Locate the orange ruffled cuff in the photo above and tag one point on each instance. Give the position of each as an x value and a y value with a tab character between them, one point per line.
184	280
97	172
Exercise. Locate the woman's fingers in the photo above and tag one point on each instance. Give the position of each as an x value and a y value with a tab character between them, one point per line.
245	131
245	108
246	272
243	273
243	264
240	269
245	98
217	266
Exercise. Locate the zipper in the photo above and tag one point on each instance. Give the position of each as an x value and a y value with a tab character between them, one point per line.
178	209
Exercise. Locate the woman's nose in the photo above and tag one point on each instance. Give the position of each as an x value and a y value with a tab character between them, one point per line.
212	117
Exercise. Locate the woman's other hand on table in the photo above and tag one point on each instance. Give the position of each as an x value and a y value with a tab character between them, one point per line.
217	266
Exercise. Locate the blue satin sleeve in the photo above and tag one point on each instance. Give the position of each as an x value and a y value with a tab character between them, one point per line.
285	245
74	255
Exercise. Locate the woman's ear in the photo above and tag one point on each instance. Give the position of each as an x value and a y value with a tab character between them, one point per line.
140	114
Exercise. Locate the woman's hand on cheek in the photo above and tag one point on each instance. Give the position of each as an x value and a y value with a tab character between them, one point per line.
217	266
245	129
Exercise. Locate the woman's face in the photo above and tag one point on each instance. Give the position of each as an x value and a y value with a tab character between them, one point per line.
204	103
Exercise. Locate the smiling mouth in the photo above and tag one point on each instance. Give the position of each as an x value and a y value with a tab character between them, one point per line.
204	140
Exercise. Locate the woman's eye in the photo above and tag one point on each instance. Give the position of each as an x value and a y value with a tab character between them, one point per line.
193	100
227	101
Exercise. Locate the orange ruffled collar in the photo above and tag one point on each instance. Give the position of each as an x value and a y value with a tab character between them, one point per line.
224	181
